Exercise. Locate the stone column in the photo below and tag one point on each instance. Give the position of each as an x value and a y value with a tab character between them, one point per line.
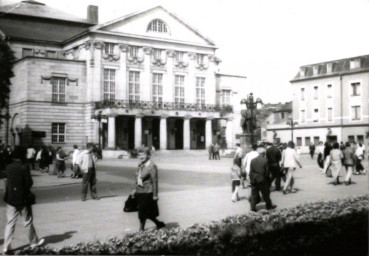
186	133
111	132
138	131
229	133
208	132
163	133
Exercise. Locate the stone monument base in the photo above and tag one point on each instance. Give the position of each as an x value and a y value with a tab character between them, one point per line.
246	142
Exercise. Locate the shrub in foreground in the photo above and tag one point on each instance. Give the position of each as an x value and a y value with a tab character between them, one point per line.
337	227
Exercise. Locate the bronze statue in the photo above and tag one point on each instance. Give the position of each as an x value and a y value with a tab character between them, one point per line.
248	121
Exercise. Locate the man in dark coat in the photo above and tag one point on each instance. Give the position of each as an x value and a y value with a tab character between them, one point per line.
259	179
19	199
274	156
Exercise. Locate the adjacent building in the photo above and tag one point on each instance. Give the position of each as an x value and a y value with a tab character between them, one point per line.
331	103
145	78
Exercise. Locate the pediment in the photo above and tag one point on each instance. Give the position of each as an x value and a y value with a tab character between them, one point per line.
138	24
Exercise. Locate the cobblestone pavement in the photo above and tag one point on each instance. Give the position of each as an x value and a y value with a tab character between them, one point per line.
71	221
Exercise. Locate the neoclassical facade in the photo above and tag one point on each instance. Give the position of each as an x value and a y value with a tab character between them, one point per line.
145	78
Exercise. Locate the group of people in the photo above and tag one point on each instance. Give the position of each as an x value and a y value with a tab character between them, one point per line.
261	167
214	151
332	157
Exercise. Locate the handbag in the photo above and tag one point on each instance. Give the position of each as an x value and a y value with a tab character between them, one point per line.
131	204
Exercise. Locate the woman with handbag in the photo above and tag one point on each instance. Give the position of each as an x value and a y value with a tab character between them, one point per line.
146	191
19	200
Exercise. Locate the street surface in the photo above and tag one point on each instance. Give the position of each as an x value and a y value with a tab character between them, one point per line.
192	189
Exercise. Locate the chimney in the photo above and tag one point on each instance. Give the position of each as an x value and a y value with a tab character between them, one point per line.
93	14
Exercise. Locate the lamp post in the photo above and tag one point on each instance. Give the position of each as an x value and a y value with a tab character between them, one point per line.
98	118
292	124
251	105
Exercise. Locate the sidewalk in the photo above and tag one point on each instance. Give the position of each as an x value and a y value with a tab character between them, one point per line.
70	222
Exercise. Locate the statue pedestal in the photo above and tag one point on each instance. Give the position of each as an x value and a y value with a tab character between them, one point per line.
245	141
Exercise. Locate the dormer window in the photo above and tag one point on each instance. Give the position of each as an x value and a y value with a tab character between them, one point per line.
157	26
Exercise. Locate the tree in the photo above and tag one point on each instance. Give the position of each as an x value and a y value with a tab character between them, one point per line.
7	60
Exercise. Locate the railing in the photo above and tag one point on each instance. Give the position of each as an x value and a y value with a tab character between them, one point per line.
127	104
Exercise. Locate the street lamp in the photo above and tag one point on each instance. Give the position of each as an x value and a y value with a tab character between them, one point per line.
249	115
292	124
99	117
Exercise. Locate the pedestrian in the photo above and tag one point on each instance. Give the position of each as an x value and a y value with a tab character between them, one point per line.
146	191
312	150
246	161
31	154
342	146
75	167
153	150
321	156
359	157
216	150
38	159
327	160
236	181
86	161
349	157
259	179
211	151
238	155
19	200
289	161
336	162
60	158
44	162
274	156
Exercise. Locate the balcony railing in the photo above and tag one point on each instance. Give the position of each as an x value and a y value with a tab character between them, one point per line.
127	104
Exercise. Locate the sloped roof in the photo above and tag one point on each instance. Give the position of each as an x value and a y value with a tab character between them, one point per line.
101	26
27	21
40	10
341	66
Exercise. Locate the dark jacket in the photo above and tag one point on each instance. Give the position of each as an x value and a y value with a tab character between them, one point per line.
149	176
273	155
259	172
18	184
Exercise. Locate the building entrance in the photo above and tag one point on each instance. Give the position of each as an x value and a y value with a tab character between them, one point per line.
197	133
125	132
151	132
175	133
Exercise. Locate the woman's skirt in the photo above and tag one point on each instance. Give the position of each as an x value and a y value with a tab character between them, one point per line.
336	167
147	206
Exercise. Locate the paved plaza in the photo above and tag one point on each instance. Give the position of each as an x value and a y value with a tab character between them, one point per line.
192	189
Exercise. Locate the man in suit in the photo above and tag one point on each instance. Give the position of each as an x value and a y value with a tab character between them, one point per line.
274	156
18	199
259	179
86	161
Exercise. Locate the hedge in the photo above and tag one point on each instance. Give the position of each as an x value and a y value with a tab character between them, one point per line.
338	227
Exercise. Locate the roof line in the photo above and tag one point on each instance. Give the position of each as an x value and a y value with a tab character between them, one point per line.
45	58
48	18
94	28
337	60
348	72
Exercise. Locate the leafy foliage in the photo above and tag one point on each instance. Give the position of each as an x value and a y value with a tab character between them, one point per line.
322	228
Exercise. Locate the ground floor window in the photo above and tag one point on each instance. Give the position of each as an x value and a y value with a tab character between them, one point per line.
307	141
316	141
360	138
351	138
299	141
58	132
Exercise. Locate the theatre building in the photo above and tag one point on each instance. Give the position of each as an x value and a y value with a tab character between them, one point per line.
145	78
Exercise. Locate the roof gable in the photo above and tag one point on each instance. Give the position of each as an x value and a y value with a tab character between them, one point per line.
137	24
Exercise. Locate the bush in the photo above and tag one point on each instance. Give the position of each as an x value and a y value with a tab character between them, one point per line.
322	228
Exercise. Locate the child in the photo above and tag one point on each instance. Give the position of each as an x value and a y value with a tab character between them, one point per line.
236	180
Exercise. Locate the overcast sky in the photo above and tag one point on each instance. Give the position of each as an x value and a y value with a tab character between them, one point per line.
265	40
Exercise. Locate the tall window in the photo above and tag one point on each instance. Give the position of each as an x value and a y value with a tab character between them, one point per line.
133	51
27	52
303	117
355	89
329	91
282	115
302	94
200	90
226	97
157	87
109	84
179	96
307	141
109	48
330	114
200	58
157	54
158	26
58	89
58	132
298	141
316	141
355	112
179	56
134	86
315	92
316	115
